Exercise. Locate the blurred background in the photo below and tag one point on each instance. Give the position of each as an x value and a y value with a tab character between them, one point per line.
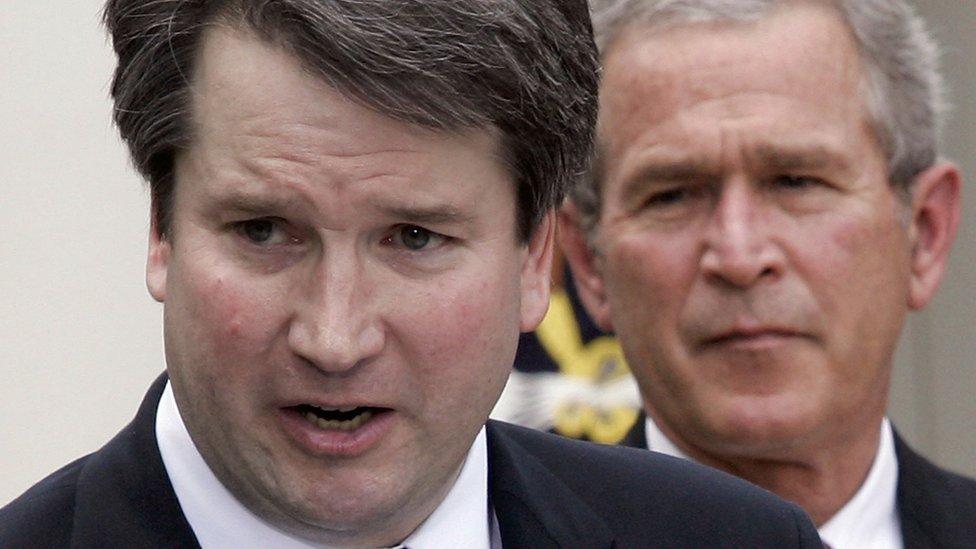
80	338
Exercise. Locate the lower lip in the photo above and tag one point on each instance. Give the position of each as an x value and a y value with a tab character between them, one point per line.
333	442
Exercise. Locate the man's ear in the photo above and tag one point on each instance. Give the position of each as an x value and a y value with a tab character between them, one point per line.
584	263
157	261
537	272
935	214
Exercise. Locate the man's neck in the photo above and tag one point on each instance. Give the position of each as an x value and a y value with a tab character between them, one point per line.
820	476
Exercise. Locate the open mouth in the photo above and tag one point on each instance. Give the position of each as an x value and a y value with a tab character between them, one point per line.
339	419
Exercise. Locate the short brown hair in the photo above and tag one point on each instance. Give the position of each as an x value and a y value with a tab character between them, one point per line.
527	68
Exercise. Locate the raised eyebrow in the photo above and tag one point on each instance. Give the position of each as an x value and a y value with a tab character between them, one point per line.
432	215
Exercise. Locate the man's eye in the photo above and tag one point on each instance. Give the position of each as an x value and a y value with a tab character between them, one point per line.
668	197
415	238
795	181
264	232
670	200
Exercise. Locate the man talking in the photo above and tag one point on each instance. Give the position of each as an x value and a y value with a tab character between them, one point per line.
352	221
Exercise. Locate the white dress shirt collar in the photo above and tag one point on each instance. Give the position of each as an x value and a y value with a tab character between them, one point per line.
869	520
219	520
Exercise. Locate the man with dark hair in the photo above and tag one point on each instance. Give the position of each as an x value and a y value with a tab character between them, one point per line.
352	220
767	205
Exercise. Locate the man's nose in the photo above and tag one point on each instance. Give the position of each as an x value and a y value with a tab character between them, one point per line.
740	244
337	325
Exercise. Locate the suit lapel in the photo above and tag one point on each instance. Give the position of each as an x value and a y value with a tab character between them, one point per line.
124	493
534	508
926	516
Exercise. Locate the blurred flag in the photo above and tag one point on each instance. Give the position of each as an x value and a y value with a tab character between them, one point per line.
570	377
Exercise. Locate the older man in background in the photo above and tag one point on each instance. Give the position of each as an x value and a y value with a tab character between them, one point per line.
767	205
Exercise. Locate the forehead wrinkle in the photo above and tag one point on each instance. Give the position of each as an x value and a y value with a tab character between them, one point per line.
308	141
262	136
327	174
299	168
316	135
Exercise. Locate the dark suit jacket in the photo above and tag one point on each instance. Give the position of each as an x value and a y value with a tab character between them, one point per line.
546	491
937	508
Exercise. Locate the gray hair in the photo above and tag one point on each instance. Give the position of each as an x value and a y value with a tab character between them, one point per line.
904	95
528	69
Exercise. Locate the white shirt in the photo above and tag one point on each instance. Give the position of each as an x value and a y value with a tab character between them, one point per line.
868	521
219	520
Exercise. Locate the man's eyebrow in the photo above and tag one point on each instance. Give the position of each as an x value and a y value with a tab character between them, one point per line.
678	170
813	157
437	214
667	171
261	204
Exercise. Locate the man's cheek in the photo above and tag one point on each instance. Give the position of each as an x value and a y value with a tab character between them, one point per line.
464	323
234	315
643	283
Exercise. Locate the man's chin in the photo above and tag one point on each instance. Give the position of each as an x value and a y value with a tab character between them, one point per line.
337	517
776	434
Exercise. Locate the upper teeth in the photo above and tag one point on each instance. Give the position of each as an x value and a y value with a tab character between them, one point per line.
342	409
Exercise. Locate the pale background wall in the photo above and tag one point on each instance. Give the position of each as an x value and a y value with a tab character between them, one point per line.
80	339
934	394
